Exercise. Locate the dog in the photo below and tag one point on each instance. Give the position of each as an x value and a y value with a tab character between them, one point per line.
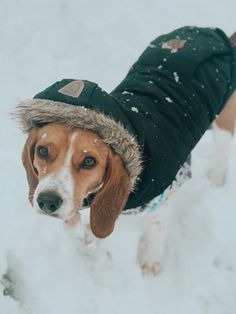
125	148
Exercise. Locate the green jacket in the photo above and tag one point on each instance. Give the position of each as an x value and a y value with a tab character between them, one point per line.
166	103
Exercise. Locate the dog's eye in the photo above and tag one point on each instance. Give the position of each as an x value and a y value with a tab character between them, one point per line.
88	162
42	152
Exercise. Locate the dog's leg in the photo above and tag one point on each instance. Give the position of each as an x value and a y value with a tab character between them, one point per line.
227	117
152	244
223	128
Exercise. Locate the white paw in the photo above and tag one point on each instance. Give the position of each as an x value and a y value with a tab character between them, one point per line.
151	249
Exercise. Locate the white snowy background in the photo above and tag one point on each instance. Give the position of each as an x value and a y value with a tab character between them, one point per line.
51	270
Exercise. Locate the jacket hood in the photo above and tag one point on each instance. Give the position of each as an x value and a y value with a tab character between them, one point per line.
85	105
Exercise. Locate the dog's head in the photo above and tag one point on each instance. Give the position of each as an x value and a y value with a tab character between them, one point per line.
64	165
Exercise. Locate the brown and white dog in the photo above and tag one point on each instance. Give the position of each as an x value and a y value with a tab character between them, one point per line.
126	147
65	163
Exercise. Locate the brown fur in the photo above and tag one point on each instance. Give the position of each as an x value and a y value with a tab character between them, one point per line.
28	159
112	198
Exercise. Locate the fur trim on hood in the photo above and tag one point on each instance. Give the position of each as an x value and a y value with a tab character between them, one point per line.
38	112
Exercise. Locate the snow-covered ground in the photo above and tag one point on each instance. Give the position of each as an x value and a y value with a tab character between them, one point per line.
50	270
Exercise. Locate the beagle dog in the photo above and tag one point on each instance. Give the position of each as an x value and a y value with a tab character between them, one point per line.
126	147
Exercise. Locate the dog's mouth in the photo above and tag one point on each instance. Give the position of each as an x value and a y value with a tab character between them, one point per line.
73	219
53	215
75	214
67	212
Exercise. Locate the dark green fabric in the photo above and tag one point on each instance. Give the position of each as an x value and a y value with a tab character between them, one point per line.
168	100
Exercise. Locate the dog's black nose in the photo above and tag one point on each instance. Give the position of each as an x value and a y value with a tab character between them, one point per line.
49	201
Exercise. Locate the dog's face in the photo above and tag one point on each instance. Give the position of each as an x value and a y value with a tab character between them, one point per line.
64	165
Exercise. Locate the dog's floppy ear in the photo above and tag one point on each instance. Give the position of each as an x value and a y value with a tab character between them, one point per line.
111	199
27	159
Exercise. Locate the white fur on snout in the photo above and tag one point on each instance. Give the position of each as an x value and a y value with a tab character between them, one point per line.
62	183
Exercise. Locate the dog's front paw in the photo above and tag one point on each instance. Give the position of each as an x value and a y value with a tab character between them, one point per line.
151	249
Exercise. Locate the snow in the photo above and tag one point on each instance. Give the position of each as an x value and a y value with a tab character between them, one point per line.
168	99
134	109
190	239
44	135
152	46
176	77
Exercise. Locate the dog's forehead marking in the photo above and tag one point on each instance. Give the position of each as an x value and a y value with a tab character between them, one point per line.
73	89
73	137
70	149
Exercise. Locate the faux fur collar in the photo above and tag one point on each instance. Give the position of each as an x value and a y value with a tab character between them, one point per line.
38	112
